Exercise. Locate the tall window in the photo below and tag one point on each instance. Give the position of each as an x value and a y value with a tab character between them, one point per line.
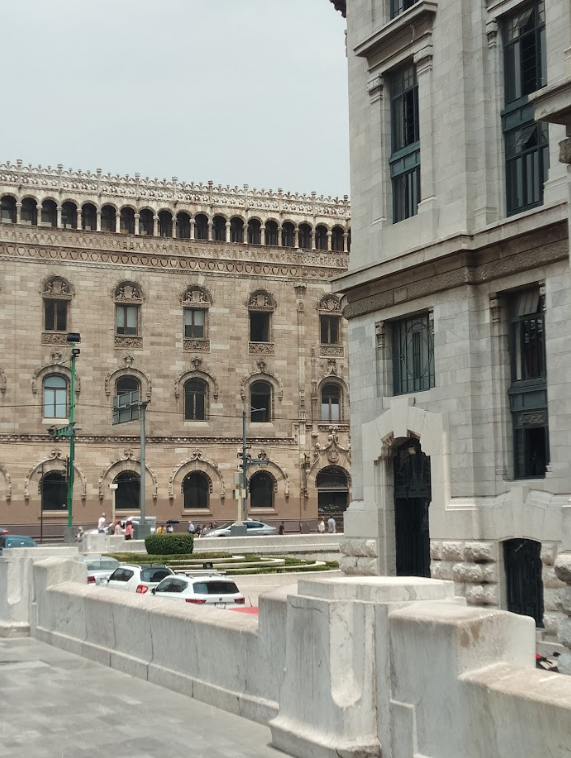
260	402
89	218
128	491
196	490
329	326
400	6
331	403
259	327
53	487
29	212
124	403
194	319
55	397
413	355
528	390
405	143
126	319
288	234
8	210
261	487
55	315
108	218
69	216
195	400
526	142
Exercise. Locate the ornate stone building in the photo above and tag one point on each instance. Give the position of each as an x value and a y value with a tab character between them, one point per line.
206	300
458	295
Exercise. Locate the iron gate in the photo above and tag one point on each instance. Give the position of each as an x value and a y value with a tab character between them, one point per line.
412	493
522	560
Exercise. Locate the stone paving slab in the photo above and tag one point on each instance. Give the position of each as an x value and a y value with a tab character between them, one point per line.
57	705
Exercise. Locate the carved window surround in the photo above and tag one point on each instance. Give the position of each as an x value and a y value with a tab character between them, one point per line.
331	351
261	348
124	341
402	37
54	338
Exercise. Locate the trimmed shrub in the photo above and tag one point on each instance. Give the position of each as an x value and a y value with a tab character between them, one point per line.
169	544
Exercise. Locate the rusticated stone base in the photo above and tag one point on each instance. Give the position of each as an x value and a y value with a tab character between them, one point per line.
472	566
359	556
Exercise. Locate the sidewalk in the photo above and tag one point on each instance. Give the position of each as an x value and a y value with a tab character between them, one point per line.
58	705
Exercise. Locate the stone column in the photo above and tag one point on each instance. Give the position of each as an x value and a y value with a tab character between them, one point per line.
58	221
98	220
296	237
18	213
155	225
345	241
423	63
279	236
263	234
563	571
191	228
380	151
117	222
329	242
227	231
137	216
312	239
173	228
209	234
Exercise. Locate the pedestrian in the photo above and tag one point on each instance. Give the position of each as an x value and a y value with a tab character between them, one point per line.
159	529
79	535
321	526
331	525
117	529
191	527
170	528
281	530
129	530
101	524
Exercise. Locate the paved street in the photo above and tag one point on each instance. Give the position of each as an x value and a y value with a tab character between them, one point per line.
58	705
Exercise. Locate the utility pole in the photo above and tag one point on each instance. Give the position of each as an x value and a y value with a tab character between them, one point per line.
143	529
245	458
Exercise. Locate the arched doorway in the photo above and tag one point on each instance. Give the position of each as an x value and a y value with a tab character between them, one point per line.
412	493
332	490
128	490
53	487
522	559
196	490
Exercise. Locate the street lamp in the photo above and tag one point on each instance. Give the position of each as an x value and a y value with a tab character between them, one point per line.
74	339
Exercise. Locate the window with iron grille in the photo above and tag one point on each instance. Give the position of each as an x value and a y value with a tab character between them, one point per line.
405	143
526	142
528	391
413	355
400	6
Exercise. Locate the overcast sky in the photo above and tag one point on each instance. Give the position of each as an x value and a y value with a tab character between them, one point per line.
237	91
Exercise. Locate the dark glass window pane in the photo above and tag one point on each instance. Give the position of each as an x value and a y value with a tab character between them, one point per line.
53	487
195	400
55	315
261	402
259	327
261	487
196	490
128	491
329	330
413	355
194	319
127	319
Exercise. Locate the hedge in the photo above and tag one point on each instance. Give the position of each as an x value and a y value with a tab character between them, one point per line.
169	544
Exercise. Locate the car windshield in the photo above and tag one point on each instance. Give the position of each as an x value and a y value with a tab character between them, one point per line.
154	574
215	588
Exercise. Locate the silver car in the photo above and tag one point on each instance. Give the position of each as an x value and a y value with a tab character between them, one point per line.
253	528
99	567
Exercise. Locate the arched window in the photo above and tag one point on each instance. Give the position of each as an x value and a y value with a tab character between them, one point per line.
48	215
69	216
201	227
271	233
331	403
261	487
260	402
236	230
53	487
29	212
304	240
89	218
146	223
337	239
196	491
127	221
219	228
332	489
128	491
55	396
195	396
254	232
8	210
108	216
165	224
321	237
288	234
183	226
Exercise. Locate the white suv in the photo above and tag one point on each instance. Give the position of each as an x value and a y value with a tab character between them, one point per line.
137	578
202	589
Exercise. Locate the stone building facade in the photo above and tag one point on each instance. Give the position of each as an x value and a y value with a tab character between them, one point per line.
458	297
207	301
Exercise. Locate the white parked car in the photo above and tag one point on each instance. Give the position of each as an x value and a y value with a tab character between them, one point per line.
137	578
209	589
99	567
253	528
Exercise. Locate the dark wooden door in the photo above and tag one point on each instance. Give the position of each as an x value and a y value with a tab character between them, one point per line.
522	560
412	493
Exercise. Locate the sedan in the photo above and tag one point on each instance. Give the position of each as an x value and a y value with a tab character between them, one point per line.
99	568
15	540
200	590
253	528
139	579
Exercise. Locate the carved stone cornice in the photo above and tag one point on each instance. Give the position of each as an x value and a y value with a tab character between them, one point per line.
134	440
171	255
458	268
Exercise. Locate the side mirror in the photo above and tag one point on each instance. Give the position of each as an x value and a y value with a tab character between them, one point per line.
153	590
